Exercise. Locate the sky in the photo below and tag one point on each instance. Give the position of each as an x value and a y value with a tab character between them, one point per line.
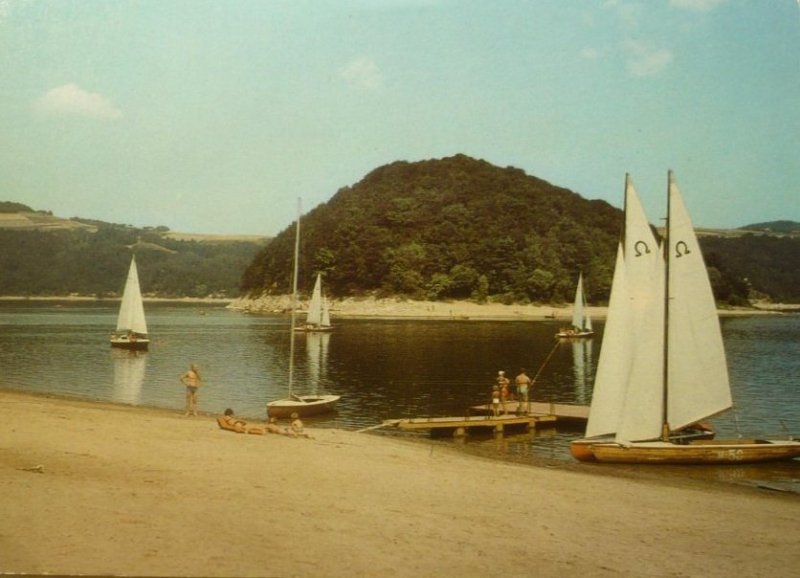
216	116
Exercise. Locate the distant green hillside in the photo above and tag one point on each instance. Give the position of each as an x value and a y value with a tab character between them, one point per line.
782	227
57	257
460	228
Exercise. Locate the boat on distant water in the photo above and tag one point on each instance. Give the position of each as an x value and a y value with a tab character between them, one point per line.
318	317
131	331
581	322
662	368
301	405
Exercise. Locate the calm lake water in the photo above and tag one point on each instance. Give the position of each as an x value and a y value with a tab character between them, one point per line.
382	369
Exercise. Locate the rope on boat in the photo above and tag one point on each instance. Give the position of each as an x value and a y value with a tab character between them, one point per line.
546	360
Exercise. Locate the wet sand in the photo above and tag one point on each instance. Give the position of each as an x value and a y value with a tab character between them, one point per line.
135	491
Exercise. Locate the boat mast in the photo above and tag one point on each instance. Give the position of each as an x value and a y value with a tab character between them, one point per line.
294	295
665	387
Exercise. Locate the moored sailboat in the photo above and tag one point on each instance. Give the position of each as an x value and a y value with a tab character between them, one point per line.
662	367
581	322
301	405
131	331
318	317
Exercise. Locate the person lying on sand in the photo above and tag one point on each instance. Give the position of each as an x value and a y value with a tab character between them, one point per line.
228	422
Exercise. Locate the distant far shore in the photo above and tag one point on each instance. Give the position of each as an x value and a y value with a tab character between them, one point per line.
398	308
389	308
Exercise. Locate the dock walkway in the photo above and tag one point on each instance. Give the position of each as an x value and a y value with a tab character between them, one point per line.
560	412
461	425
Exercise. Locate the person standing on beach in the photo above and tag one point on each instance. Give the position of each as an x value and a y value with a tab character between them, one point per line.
191	379
523	389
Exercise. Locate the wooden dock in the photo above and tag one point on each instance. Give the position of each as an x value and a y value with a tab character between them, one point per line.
558	412
460	426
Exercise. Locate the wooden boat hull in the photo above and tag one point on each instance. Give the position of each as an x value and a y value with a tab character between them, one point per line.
575	335
695	452
140	344
302	405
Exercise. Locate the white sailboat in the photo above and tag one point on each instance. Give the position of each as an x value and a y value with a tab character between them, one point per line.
319	316
581	322
131	332
662	367
301	405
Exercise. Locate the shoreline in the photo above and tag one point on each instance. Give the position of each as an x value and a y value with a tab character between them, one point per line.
397	308
141	491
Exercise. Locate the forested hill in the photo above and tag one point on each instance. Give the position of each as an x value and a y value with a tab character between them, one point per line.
460	228
451	228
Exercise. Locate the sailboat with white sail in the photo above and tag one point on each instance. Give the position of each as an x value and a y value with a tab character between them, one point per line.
301	405
581	322
131	332
318	317
662	367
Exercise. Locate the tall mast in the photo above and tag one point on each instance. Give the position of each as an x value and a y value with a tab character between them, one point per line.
667	256
294	295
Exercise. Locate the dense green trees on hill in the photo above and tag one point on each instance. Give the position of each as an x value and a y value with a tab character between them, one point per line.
460	228
63	262
451	228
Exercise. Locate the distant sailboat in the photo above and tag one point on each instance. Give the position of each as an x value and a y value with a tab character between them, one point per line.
319	315
581	322
131	332
302	405
662	367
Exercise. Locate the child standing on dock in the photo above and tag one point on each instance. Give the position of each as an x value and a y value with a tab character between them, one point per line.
496	400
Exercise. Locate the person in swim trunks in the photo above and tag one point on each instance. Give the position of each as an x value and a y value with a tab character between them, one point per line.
191	379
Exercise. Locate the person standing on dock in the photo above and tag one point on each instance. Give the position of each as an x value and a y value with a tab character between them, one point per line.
496	400
523	389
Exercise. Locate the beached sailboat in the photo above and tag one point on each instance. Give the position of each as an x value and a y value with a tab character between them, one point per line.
652	385
318	317
302	405
131	332
581	322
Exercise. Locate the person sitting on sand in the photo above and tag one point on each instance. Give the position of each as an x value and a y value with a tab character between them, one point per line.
298	429
228	422
273	428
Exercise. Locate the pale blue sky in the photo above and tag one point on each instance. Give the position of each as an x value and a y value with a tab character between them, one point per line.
215	116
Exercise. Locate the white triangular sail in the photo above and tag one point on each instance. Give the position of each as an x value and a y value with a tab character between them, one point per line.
698	385
315	305
630	306
581	322
131	311
644	267
326	313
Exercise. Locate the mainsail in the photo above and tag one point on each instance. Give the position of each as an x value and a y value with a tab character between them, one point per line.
131	311
580	319
697	384
315	305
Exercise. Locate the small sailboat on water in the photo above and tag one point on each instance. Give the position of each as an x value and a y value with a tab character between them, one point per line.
302	405
581	322
652	386
131	332
318	317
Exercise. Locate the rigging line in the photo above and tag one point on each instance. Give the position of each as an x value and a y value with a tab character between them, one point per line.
538	373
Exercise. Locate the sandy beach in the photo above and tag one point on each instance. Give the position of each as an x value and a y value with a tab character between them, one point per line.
100	489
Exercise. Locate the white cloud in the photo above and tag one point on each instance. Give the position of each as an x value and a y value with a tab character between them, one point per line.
362	73
71	100
644	61
696	5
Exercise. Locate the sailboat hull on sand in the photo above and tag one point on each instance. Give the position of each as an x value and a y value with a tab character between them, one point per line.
654	387
300	405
